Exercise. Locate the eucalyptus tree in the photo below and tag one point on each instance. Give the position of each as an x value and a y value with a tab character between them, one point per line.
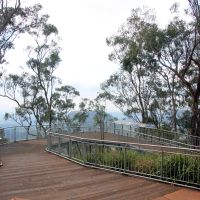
160	70
15	20
37	90
43	61
82	114
37	86
8	25
179	54
21	90
174	96
100	115
195	12
22	117
64	104
146	102
28	95
137	88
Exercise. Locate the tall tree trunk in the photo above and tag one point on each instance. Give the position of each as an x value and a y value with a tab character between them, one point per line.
195	120
50	117
145	118
174	118
173	96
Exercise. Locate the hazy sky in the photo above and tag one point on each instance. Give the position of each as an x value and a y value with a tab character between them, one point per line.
84	26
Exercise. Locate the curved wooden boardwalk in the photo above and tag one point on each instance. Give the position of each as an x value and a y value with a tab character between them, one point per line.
30	172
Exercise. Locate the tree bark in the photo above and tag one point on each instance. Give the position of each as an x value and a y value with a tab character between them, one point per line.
195	121
174	118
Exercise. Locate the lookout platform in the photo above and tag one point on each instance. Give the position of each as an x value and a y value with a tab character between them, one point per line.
29	172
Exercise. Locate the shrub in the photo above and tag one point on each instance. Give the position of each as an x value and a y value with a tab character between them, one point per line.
168	166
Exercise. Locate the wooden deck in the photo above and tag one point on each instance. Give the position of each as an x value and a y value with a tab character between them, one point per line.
30	172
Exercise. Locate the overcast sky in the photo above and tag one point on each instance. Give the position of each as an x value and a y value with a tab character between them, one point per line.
84	26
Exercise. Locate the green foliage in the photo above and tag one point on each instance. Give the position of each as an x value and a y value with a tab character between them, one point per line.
173	167
22	117
64	103
137	90
159	72
180	167
183	121
49	29
98	106
81	116
16	20
37	91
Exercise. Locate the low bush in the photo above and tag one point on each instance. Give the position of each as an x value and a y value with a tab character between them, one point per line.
168	166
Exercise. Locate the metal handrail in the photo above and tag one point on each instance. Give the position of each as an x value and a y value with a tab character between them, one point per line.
160	162
20	133
165	133
175	137
163	140
168	164
120	143
125	130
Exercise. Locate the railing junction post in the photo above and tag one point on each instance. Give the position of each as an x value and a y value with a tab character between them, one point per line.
27	129
49	140
70	147
161	167
84	152
15	136
59	144
95	160
125	158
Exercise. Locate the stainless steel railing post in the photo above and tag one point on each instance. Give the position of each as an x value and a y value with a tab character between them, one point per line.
84	152
26	135
15	136
125	158
70	148
59	144
49	140
161	166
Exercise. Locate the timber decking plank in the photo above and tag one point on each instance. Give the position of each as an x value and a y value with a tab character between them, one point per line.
184	194
31	173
